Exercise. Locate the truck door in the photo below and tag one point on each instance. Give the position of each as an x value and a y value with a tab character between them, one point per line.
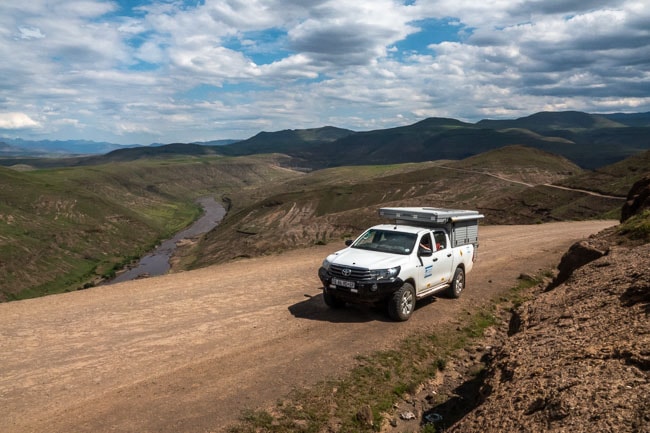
436	267
445	255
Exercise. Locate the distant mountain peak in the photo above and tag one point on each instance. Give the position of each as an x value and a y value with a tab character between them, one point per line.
554	120
441	121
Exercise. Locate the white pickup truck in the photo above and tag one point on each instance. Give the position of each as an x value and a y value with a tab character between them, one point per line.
424	251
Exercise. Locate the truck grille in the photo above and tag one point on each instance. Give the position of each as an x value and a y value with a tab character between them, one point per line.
355	273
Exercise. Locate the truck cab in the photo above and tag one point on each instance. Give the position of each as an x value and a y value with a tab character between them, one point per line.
396	264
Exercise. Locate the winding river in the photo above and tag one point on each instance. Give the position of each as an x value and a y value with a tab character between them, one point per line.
157	262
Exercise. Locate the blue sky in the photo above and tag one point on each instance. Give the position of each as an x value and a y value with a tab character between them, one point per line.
168	71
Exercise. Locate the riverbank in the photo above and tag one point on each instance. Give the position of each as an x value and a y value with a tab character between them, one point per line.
158	261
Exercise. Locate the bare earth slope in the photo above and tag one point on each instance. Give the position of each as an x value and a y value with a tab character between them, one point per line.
578	355
186	352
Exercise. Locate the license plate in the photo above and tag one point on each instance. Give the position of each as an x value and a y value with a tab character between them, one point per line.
343	283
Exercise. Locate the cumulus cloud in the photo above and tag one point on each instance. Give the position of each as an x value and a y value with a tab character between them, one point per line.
16	121
351	33
177	71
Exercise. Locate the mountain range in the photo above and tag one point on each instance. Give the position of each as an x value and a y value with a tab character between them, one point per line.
589	140
17	147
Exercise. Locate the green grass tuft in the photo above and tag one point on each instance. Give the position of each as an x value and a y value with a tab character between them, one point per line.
637	227
379	380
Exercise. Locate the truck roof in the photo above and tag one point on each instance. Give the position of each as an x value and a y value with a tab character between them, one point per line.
401	228
429	214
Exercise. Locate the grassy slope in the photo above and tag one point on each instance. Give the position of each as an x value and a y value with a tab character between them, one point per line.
541	203
614	179
589	140
336	203
61	229
522	163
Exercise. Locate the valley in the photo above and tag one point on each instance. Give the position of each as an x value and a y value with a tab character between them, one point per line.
76	227
158	261
65	229
71	223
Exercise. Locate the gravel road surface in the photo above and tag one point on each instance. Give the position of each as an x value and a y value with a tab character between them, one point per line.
187	352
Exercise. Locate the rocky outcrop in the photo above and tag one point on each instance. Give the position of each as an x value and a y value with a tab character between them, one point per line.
637	199
583	252
580	359
578	255
577	357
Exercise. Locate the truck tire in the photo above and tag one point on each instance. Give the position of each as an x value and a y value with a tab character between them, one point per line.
457	284
402	304
332	301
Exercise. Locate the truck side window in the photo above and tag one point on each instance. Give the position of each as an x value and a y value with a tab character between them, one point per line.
425	243
441	240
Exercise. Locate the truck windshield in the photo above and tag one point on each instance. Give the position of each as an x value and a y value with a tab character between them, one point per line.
386	241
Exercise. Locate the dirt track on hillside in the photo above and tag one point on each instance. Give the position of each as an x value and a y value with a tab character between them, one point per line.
187	352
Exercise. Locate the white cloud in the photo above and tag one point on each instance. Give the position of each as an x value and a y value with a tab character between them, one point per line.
67	122
275	64
17	121
124	128
242	15
359	32
151	52
292	67
82	8
30	33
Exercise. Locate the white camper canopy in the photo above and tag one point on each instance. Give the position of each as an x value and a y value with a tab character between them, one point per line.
429	214
462	225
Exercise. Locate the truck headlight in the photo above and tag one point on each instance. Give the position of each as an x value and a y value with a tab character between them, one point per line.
384	274
326	265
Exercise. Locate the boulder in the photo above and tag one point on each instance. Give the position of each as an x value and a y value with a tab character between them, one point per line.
637	199
578	255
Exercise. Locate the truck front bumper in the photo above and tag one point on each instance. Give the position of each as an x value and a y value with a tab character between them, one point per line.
359	291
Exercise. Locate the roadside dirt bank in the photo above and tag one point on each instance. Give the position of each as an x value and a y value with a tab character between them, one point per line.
187	352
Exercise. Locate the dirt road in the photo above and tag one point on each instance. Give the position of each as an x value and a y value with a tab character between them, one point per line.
187	352
531	185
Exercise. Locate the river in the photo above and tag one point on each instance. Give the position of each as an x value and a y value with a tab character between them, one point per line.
157	262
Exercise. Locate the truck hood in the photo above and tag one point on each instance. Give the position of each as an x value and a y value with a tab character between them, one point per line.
366	259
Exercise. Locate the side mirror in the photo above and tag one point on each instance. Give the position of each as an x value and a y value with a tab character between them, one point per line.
423	252
348	242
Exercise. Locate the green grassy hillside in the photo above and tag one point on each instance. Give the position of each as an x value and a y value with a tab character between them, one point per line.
330	205
630	119
295	142
614	179
546	120
62	229
588	140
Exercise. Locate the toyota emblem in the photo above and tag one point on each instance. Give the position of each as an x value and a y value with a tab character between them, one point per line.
346	272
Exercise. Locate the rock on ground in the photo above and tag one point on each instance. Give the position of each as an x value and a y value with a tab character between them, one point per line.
637	199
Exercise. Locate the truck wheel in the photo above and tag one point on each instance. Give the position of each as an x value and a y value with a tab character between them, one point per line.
457	284
332	301
402	304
